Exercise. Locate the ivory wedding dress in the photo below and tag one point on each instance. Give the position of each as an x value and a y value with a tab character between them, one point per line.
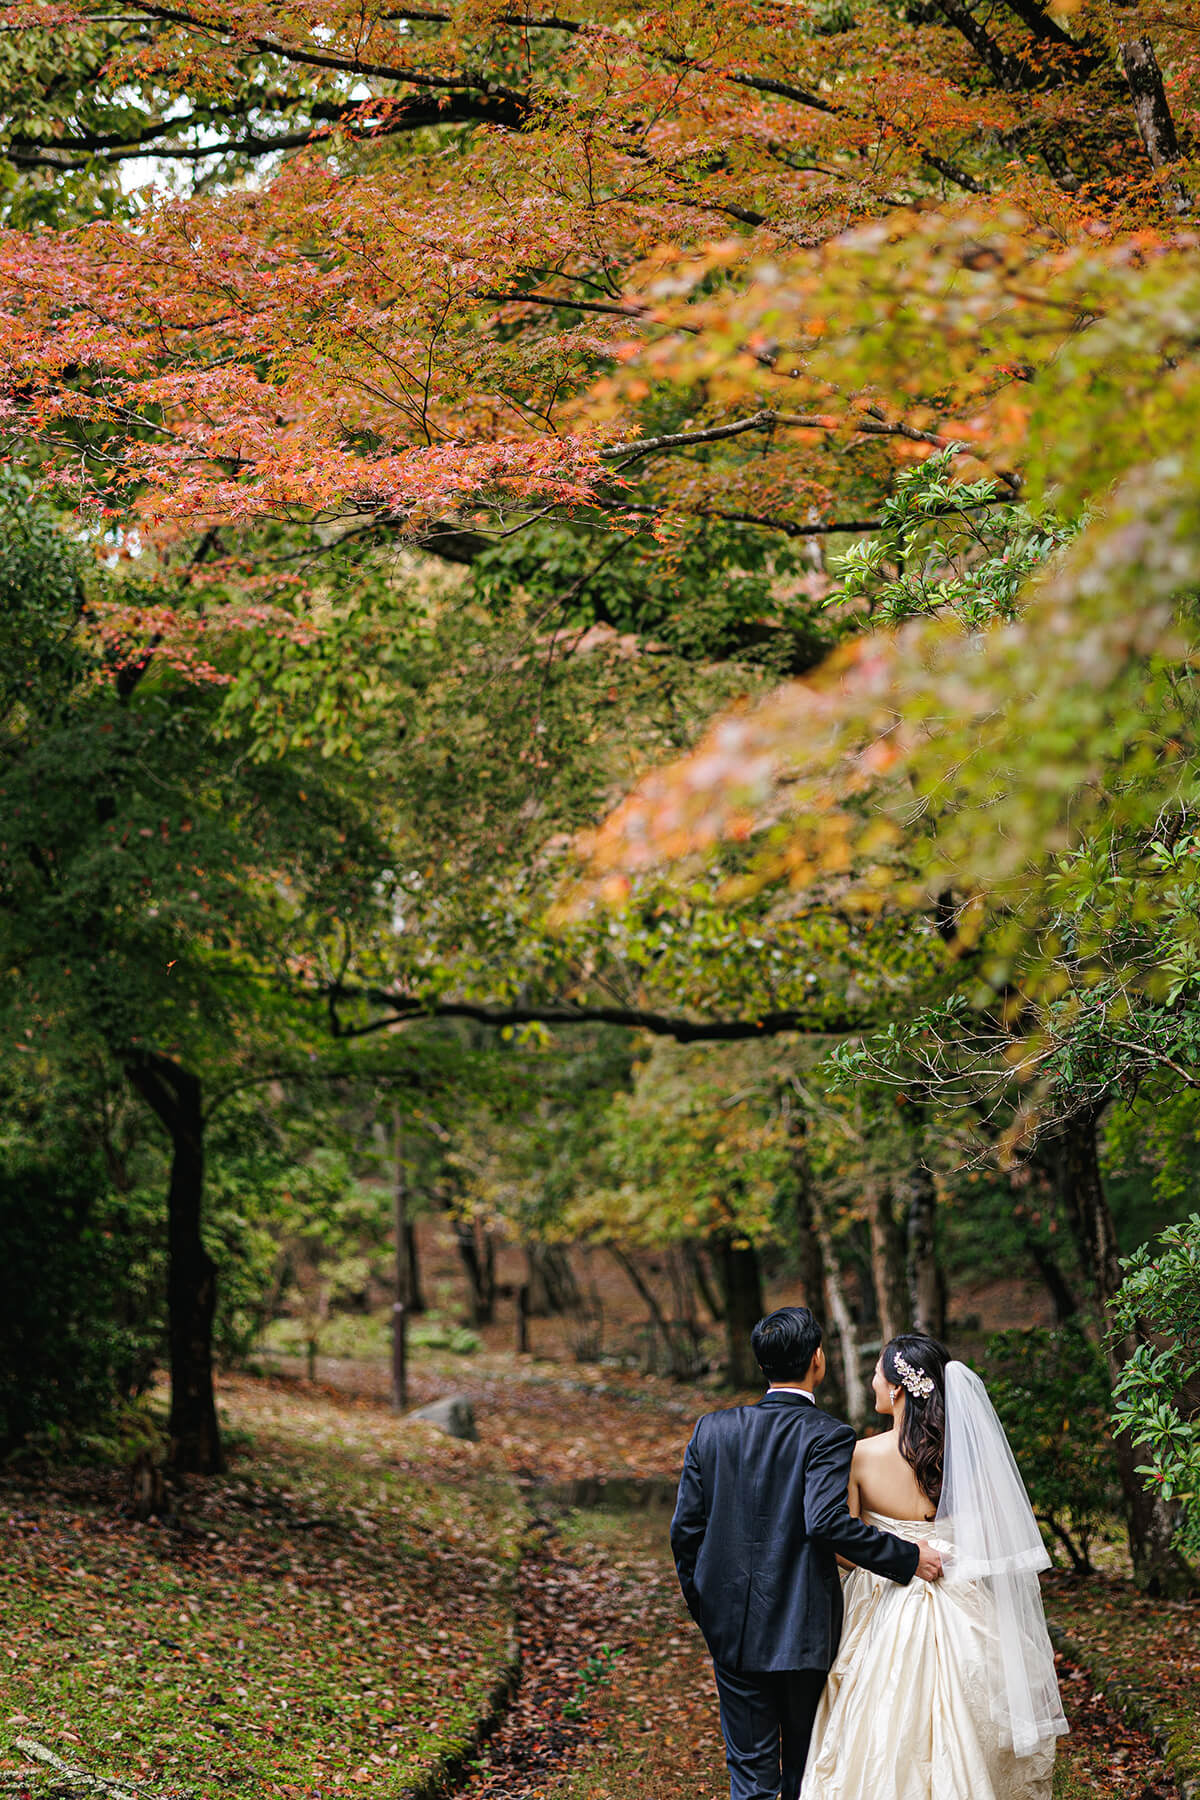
946	1690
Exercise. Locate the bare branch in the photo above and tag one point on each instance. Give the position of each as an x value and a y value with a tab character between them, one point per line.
272	45
873	424
457	108
630	311
404	1007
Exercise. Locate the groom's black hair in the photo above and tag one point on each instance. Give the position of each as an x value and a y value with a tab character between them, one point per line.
785	1343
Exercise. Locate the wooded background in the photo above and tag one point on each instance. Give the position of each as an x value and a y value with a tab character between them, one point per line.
598	617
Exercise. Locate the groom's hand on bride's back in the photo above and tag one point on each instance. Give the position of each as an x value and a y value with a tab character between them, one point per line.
929	1568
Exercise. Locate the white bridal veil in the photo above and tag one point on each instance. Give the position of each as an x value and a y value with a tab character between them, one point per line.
985	1512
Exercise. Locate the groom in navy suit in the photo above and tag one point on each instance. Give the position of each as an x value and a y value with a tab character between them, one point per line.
760	1520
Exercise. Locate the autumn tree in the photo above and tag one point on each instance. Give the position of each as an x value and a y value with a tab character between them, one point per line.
159	893
580	301
1071	932
480	275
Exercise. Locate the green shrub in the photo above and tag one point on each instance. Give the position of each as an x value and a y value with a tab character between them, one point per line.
1052	1393
1161	1293
81	1280
442	1334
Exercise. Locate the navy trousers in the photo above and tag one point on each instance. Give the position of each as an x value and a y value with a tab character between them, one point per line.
767	1721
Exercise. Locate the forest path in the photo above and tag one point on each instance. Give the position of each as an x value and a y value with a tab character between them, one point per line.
342	1613
616	1698
621	1706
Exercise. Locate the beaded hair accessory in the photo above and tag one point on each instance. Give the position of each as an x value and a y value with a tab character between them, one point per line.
914	1380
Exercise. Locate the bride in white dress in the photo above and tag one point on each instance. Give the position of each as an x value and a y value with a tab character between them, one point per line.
941	1690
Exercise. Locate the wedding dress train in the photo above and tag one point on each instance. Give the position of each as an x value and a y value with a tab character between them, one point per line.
907	1713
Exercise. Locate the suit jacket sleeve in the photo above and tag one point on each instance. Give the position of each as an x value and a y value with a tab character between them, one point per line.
688	1525
828	1518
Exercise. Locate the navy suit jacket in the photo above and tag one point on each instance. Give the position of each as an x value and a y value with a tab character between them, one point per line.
760	1517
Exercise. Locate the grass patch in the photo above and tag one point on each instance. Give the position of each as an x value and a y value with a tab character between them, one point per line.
334	1613
368	1336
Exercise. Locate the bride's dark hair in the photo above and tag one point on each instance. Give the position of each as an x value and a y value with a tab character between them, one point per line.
923	1428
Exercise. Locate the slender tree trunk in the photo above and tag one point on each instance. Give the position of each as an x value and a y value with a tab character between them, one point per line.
854	1389
1157	1566
926	1286
686	1319
552	1284
416	1296
741	1283
657	1317
1066	1306
704	1284
536	1288
408	1270
174	1096
677	1359
478	1254
401	1225
888	1262
813	1283
1153	115
815	1264
488	1248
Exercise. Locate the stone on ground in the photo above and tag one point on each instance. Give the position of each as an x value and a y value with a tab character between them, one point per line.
454	1415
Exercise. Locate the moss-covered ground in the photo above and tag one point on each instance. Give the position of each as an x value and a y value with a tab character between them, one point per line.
334	1613
1145	1653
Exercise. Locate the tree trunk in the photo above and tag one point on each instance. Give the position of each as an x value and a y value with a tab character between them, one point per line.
1158	1568
407	1278
552	1284
704	1284
680	1355
401	1226
888	1262
478	1253
926	1287
174	1096
811	1256
1153	115
814	1263
416	1297
740	1275
854	1392
1066	1306
686	1319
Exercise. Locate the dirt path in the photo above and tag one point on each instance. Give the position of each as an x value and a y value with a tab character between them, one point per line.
616	1698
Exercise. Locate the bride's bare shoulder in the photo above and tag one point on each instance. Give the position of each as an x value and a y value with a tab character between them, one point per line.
875	1449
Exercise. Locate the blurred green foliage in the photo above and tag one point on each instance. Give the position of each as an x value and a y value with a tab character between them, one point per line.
1156	1393
1051	1391
81	1295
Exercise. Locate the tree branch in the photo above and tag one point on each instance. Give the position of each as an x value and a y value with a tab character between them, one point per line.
405	1007
76	1778
28	152
1009	70
271	45
423	15
1032	13
632	310
874	424
764	521
1188	1076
